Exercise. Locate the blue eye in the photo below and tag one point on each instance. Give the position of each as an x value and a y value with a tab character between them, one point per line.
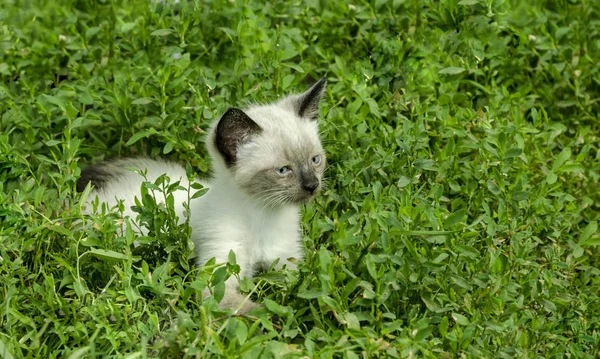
316	160
282	171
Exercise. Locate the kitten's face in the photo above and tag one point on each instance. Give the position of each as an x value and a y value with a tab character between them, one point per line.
285	163
274	152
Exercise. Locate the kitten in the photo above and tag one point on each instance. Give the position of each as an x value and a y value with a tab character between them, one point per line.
267	161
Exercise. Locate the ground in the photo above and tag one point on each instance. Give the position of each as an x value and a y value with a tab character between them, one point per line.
460	217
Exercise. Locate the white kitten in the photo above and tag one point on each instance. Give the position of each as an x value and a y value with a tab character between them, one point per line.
268	160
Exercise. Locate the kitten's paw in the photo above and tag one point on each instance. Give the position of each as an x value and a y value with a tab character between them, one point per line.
247	307
238	302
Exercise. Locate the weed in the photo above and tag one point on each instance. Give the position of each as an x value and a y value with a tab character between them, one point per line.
461	211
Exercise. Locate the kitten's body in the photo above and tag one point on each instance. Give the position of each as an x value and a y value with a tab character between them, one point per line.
113	182
250	207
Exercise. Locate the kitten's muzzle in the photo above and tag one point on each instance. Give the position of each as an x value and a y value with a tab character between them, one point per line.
309	181
310	186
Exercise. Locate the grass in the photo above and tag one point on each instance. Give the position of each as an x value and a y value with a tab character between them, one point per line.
461	214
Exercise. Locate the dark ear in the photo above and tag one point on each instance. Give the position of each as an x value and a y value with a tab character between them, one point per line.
234	129
307	104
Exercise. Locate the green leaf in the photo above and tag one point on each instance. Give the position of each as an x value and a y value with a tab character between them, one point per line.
454	186
107	254
126	27
425	233
594	241
461	282
587	232
138	136
324	258
562	31
548	306
423	333
274	307
168	148
161	32
455	218
62	230
520	195
467	251
513	152
431	304
71	110
460	319
230	33
199	193
91	32
55	100
373	107
231	257
572	167
493	187
440	258
443	327
377	188
241	331
85	98
351	321
451	70
422	163
4	353
219	275
4	69
142	101
296	67
371	267
79	353
287	81
51	143
219	291
563	157
311	294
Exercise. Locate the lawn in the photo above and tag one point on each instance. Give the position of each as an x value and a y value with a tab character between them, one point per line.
460	216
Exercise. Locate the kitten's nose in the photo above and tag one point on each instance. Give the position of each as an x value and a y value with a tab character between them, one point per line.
310	186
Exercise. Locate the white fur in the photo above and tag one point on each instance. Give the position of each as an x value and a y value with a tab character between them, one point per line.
226	218
127	185
223	219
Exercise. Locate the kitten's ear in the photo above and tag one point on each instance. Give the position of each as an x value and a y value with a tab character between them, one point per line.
234	129
307	104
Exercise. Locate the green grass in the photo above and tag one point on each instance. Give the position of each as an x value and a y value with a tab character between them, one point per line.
461	213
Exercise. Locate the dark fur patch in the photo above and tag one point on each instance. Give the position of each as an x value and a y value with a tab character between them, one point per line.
234	129
308	103
94	174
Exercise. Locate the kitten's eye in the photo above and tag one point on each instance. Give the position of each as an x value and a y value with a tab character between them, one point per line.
282	171
316	160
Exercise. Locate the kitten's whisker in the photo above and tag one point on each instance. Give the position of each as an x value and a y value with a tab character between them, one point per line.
269	198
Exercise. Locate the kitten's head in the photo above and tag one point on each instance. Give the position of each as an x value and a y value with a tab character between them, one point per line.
272	152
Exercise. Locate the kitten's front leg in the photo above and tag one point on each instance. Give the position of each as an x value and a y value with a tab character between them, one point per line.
289	252
232	298
235	300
